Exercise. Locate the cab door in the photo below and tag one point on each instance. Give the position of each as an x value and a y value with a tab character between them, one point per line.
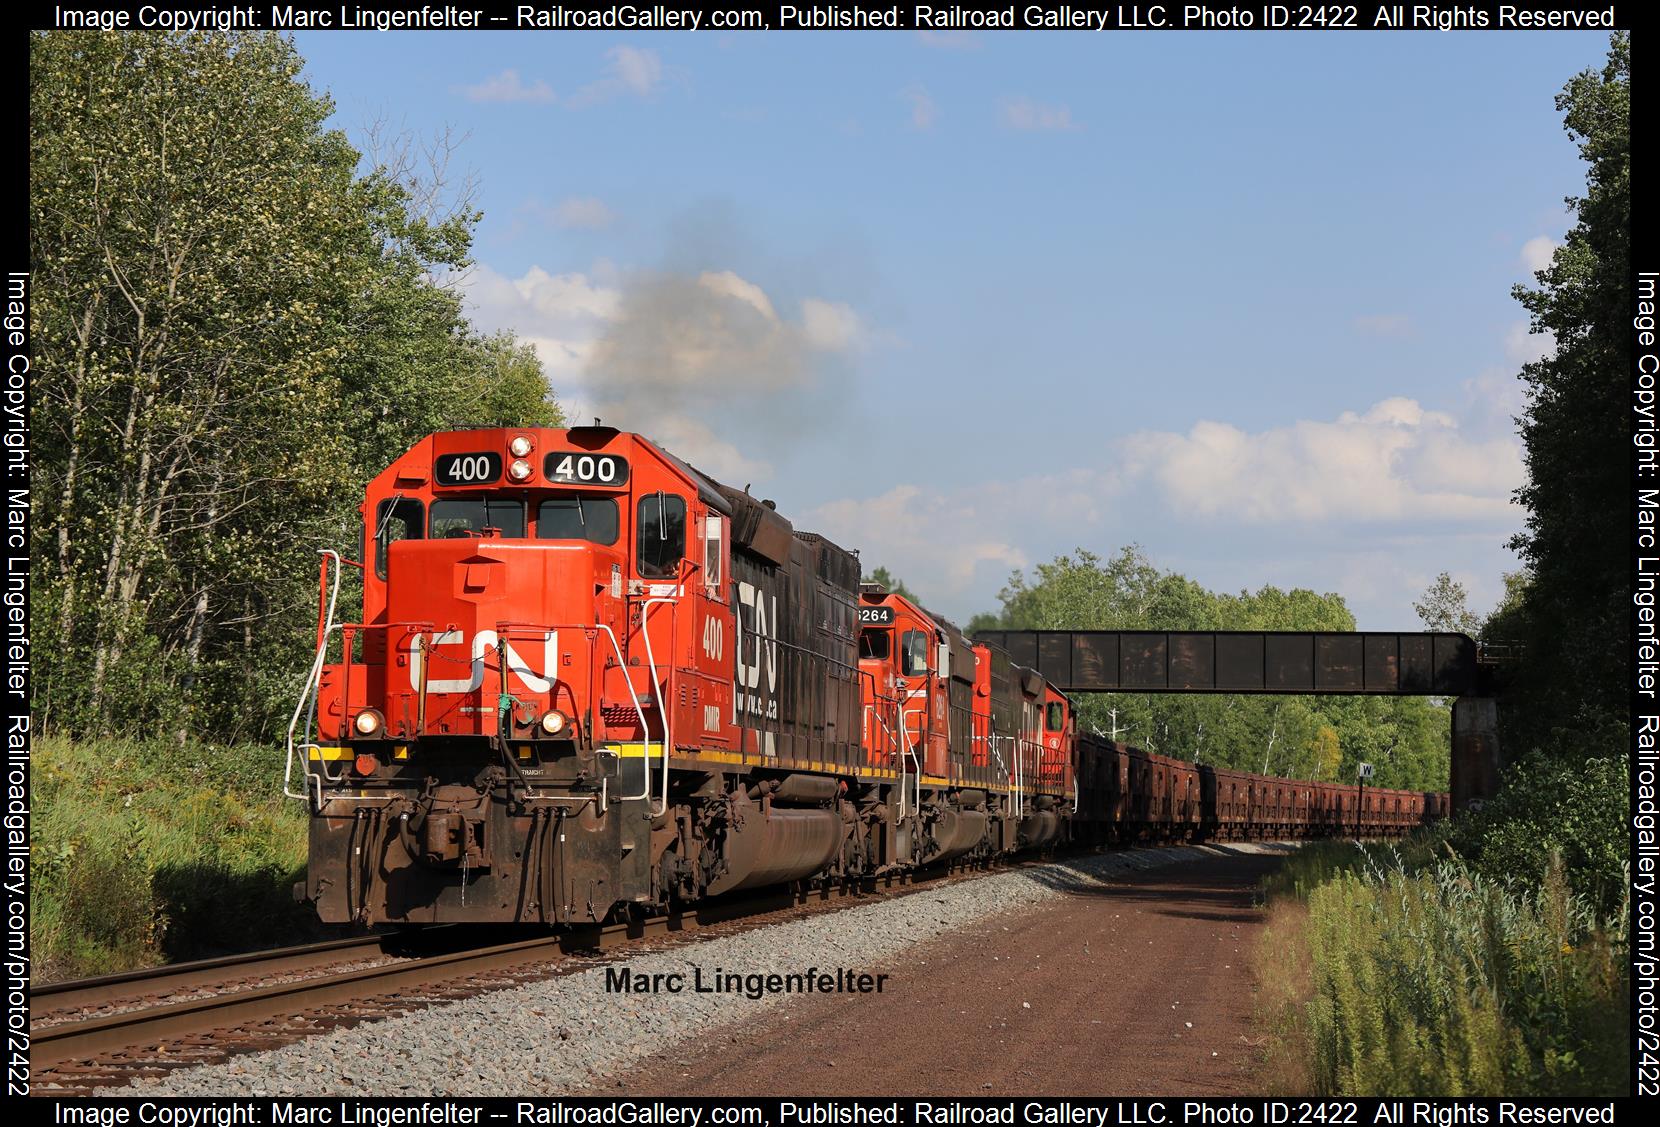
708	712
923	703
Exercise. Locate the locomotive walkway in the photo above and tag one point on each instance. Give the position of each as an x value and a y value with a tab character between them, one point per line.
1141	987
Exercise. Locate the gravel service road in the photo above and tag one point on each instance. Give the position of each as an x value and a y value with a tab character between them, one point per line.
1132	987
1121	953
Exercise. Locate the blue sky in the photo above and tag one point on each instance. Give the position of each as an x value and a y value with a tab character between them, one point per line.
967	301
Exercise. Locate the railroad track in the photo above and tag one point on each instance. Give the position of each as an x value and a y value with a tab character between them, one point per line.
111	1031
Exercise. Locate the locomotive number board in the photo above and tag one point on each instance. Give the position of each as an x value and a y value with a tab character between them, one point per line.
875	616
482	468
578	467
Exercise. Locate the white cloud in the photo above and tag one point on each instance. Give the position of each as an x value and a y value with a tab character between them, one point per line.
1024	113
508	87
698	444
727	284
1493	399
1537	252
829	326
636	71
1395	462
629	70
1524	346
1368	504
560	315
1384	324
949	40
639	70
923	110
922	535
582	211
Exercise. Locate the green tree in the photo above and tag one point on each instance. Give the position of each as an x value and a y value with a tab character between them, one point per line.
235	328
1507	621
1405	737
895	586
1443	607
1575	431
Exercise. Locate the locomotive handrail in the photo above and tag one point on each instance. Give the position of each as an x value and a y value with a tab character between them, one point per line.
321	775
639	709
657	689
909	752
312	679
1017	782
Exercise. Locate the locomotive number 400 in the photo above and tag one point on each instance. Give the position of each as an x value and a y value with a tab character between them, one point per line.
590	469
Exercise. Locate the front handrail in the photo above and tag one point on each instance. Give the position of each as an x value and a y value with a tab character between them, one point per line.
308	690
311	687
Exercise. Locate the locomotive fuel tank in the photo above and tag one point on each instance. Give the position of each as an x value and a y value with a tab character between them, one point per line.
769	843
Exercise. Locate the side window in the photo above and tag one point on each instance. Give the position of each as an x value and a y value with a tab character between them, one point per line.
401	518
713	534
661	534
1057	715
914	657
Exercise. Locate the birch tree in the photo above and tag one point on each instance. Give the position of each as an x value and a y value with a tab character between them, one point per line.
234	322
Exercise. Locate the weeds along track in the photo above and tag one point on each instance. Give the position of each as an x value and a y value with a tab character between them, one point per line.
110	1031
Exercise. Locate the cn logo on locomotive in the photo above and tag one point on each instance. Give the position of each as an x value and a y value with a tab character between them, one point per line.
761	627
484	642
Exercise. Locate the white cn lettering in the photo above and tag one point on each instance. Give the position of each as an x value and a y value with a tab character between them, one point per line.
750	675
485	642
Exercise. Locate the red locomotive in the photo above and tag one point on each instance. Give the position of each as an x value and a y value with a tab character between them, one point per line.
589	679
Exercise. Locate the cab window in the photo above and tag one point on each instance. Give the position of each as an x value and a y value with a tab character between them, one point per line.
712	535
1057	715
578	518
661	531
400	518
875	644
454	519
914	656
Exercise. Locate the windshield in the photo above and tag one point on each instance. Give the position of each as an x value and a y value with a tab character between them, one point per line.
454	519
578	518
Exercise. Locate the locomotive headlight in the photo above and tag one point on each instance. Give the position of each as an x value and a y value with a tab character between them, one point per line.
519	470
553	722
520	446
368	722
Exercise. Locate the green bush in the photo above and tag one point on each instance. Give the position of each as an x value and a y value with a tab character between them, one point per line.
145	853
1578	808
1443	981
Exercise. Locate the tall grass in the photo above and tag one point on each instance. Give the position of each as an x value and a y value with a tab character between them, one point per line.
1391	973
145	853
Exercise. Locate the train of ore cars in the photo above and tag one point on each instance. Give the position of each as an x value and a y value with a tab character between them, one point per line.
589	680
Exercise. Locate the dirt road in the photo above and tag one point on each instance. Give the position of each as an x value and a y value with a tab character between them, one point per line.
1137	988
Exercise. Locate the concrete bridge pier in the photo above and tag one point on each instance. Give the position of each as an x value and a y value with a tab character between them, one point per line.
1475	750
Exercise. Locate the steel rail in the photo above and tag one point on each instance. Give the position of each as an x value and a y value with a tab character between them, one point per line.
81	993
76	1045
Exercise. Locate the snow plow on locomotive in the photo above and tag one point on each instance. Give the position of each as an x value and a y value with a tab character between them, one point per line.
588	679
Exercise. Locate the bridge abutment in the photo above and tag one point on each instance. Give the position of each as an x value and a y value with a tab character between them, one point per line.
1475	750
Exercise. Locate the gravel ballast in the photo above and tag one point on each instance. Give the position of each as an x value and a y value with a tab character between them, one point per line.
570	1033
